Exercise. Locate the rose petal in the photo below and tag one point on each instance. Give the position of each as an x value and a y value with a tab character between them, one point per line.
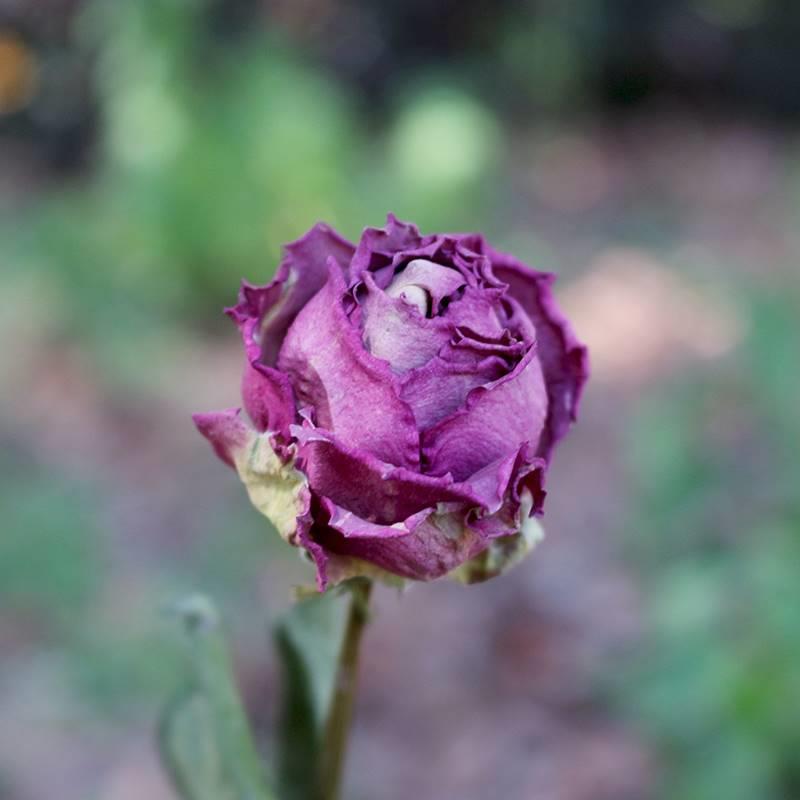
266	393
275	488
438	544
437	540
565	361
396	332
381	251
438	281
353	394
301	274
441	386
500	484
376	491
494	421
503	552
268	398
454	527
316	552
263	315
476	309
226	431
378	246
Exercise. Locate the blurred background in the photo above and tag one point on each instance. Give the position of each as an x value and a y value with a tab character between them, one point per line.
153	153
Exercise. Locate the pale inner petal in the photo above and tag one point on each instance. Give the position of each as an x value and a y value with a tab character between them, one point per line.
423	279
412	295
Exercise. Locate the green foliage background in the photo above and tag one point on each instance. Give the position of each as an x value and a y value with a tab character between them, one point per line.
208	153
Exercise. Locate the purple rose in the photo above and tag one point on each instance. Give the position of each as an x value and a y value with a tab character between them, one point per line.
405	395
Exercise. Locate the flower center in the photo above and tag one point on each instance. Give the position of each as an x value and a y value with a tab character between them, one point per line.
412	295
424	285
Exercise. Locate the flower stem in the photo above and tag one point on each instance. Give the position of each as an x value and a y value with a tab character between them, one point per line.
337	726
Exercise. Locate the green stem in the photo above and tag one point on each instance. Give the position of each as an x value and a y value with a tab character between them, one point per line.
337	726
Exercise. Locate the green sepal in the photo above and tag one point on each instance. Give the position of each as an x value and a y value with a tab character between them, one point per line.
504	552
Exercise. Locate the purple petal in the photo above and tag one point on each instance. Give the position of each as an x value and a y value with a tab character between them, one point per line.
351	392
494	421
477	309
438	543
565	361
268	398
370	488
381	251
429	529
437	281
439	539
304	538
440	387
520	473
263	315
378	246
266	393
503	480
226	430
396	332
302	273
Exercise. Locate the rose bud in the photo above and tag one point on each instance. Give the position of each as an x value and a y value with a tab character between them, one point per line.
405	396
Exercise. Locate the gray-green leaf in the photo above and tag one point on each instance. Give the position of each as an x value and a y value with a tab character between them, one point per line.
205	737
308	639
189	750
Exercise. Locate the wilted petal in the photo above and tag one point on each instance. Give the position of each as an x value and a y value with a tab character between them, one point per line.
266	393
275	488
401	324
316	552
226	431
476	309
503	552
395	331
378	246
441	386
352	393
302	273
268	399
437	281
436	545
263	315
370	488
565	361
495	504
499	486
494	421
